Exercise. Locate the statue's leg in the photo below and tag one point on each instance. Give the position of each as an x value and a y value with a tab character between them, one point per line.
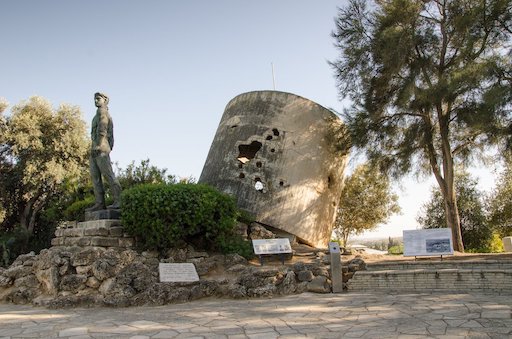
106	169
97	182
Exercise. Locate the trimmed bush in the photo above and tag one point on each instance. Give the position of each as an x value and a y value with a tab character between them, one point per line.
162	216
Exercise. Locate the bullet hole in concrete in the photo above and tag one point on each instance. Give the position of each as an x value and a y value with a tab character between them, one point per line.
258	185
276	132
234	126
248	152
241	176
329	182
258	164
281	183
272	150
269	137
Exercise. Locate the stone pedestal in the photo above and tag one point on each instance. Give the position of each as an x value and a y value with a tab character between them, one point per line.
102	228
103	214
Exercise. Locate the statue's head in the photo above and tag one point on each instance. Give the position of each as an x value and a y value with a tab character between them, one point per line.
97	99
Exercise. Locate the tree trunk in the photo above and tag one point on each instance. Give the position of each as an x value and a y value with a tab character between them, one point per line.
25	214
453	221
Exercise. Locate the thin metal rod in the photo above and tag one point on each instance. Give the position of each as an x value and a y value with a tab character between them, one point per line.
273	76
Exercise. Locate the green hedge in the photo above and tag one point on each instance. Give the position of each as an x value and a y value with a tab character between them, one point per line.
162	216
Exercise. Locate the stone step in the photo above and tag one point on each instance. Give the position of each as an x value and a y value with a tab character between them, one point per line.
83	241
437	279
114	231
103	223
439	265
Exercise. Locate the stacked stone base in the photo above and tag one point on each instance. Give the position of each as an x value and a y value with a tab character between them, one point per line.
101	228
103	233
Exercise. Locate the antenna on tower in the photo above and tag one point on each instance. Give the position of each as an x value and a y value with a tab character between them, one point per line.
273	76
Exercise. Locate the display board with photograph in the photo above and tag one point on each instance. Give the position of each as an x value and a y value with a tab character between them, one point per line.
428	242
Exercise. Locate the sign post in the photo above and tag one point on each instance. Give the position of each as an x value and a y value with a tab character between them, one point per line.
336	272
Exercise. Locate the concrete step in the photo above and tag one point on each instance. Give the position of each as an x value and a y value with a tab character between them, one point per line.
454	264
476	275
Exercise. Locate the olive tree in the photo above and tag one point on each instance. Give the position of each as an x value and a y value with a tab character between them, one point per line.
366	201
43	150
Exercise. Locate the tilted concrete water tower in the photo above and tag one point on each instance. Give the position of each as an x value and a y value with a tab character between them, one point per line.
279	155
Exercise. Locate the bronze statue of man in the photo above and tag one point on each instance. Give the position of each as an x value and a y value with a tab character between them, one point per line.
102	137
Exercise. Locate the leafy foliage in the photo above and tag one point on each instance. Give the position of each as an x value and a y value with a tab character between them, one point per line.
366	200
143	173
43	152
163	216
477	233
500	202
430	82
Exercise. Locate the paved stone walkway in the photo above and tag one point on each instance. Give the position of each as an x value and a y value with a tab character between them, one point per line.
351	315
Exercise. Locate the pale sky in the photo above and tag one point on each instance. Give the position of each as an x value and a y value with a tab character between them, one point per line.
170	68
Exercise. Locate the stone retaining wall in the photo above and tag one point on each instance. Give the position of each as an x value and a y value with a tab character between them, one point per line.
486	276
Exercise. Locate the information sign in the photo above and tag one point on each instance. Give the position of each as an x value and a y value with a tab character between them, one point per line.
271	246
428	242
177	272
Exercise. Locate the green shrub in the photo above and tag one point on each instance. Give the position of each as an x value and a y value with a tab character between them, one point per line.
397	249
162	216
76	211
12	244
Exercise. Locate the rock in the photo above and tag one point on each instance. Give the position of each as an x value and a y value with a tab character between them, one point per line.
125	257
305	275
260	232
319	284
320	270
49	279
24	259
177	254
234	259
16	272
206	288
92	282
104	268
163	293
5	281
106	286
87	256
73	282
356	264
237	291
266	272
205	267
65	267
288	285
28	281
299	266
268	290
83	270
71	301
301	287
21	296
242	230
